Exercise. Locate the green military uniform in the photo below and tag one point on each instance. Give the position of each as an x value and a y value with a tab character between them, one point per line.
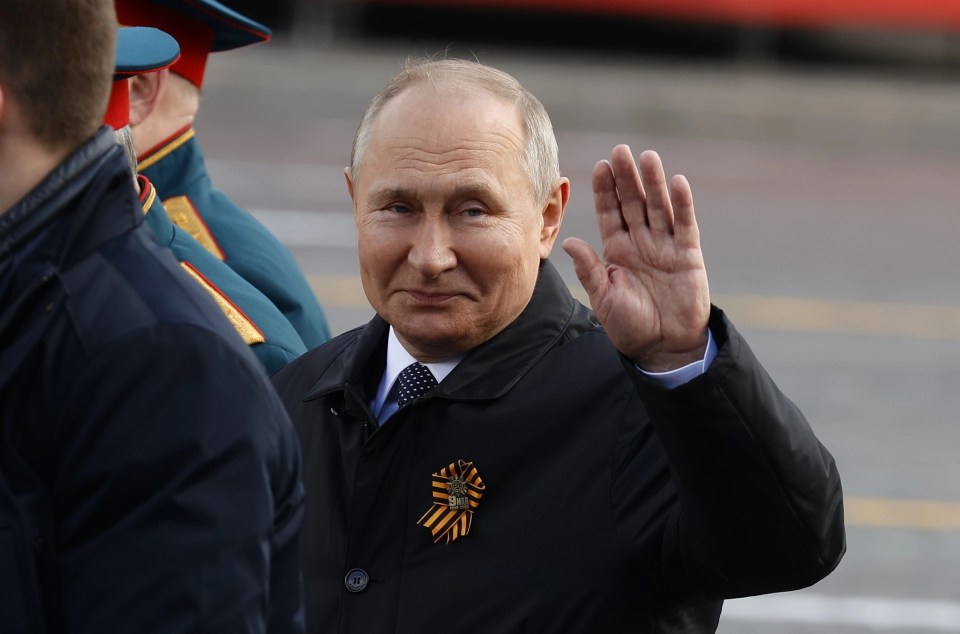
232	234
260	324
176	166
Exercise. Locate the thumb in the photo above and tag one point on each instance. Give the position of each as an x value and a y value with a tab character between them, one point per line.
589	268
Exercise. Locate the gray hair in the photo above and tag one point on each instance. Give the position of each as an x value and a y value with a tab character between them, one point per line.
124	137
540	156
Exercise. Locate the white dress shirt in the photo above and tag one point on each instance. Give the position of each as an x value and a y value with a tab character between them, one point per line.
385	402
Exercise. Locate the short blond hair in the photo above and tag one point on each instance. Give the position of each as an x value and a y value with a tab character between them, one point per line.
540	156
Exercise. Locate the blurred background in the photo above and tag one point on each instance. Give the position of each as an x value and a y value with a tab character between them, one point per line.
822	142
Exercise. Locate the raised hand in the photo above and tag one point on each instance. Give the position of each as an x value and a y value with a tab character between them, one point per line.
650	289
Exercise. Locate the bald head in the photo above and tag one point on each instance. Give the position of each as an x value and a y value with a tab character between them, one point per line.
539	157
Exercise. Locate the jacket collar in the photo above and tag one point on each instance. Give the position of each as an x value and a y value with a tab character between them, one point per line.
49	200
487	372
86	201
175	165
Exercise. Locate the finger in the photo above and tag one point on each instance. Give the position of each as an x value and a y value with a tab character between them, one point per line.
589	268
686	232
659	210
606	201
633	199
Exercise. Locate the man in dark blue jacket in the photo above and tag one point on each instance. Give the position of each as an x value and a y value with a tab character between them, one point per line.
149	479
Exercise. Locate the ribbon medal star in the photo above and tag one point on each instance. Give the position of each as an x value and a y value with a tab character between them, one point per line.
457	489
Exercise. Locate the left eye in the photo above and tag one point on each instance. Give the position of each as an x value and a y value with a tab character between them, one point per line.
473	212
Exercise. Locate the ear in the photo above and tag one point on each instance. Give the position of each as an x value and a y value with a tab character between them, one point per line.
349	178
553	215
145	93
3	107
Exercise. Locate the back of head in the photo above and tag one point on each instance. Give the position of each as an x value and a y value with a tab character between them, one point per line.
540	158
56	64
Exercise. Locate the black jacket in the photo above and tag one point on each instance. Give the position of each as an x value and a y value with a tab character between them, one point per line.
600	501
149	478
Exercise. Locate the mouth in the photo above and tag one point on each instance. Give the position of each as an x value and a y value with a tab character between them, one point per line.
429	298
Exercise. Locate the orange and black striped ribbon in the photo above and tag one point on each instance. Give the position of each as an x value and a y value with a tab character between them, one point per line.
457	490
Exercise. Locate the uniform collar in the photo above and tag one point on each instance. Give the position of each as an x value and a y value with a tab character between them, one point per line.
175	164
156	215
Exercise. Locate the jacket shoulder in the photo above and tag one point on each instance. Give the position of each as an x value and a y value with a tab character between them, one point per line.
303	372
132	284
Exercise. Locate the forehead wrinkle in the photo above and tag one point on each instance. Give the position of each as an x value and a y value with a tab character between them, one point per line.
501	144
479	147
467	185
473	162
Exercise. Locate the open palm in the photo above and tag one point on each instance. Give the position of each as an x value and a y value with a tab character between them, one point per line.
650	289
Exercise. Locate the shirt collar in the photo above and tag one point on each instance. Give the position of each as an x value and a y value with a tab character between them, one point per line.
397	359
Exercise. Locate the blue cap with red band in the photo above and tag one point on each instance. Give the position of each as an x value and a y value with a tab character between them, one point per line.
144	49
139	50
200	26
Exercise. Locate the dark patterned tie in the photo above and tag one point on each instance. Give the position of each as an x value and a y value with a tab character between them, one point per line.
413	382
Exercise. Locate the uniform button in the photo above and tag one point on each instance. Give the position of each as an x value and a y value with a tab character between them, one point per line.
356	580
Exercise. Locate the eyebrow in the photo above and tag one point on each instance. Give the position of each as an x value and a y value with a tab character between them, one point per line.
475	189
387	194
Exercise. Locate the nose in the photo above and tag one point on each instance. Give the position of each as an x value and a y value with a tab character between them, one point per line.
432	250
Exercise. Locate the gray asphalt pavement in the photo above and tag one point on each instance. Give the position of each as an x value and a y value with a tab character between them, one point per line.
827	202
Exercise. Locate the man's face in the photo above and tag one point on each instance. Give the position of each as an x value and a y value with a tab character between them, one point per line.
449	233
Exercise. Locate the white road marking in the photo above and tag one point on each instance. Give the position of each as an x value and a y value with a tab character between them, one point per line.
873	613
302	228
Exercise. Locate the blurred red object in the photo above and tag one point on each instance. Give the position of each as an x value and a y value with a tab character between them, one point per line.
906	14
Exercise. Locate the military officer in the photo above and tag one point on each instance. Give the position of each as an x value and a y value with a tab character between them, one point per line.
255	318
171	157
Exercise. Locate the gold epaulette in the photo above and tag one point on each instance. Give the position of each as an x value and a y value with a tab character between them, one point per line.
241	323
185	215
